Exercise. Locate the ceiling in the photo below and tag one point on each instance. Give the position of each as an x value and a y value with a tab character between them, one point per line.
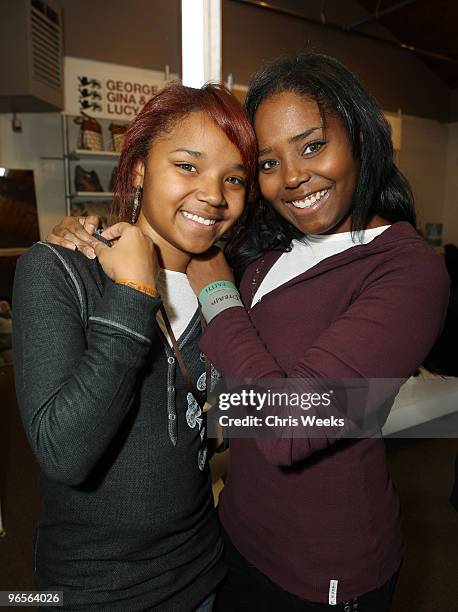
429	26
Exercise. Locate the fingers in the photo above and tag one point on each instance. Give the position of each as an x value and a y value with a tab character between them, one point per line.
80	233
100	248
73	230
61	241
88	252
116	230
90	223
81	241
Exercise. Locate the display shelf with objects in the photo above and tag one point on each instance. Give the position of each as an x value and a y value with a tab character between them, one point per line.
83	196
91	150
82	154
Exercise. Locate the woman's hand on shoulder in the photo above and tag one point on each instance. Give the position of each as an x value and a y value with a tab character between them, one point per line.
132	255
76	233
208	268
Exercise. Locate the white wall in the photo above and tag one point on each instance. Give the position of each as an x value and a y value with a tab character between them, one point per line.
451	186
423	160
41	136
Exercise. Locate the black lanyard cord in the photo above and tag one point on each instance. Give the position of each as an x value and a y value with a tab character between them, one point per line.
200	397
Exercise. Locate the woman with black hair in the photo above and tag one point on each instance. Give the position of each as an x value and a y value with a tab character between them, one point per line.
334	92
337	284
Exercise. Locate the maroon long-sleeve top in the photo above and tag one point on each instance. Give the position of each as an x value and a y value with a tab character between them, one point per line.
311	511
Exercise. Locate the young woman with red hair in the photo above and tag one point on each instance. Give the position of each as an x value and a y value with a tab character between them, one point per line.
113	413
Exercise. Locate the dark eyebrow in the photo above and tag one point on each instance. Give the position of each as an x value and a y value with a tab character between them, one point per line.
305	134
300	136
264	151
196	154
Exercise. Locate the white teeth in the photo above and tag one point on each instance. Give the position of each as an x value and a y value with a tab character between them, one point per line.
198	219
310	200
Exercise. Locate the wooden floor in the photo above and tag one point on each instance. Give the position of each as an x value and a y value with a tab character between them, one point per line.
423	472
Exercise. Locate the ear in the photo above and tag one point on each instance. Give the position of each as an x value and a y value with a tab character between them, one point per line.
139	174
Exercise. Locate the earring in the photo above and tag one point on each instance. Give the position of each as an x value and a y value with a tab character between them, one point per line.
138	195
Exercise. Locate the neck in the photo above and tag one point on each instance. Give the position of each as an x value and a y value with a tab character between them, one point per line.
172	261
377	221
169	257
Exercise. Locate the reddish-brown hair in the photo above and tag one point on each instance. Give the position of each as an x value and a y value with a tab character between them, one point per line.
161	113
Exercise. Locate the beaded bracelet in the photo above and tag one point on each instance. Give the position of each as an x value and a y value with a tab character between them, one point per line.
139	286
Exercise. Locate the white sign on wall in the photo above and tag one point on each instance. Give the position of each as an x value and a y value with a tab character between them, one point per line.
108	91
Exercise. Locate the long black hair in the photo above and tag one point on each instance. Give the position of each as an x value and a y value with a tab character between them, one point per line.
381	189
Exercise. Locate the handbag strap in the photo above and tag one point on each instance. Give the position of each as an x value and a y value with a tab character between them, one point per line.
200	397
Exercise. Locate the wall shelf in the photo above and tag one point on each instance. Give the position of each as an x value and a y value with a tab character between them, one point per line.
84	196
102	162
79	154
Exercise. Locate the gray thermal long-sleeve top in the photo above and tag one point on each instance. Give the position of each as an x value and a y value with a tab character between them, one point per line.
128	520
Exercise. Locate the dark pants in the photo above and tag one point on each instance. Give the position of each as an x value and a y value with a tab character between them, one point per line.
248	590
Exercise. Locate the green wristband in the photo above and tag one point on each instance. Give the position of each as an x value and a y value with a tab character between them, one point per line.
224	298
213	287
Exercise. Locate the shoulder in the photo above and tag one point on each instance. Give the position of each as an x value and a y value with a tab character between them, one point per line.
48	265
49	277
402	236
51	257
402	254
401	243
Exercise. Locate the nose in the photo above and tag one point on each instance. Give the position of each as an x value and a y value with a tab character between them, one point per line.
210	192
295	174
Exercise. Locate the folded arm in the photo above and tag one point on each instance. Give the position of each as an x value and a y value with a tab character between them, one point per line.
385	333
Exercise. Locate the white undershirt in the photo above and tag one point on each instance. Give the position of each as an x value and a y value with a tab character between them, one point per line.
179	300
308	252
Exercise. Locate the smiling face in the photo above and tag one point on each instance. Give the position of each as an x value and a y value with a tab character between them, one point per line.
193	189
306	170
